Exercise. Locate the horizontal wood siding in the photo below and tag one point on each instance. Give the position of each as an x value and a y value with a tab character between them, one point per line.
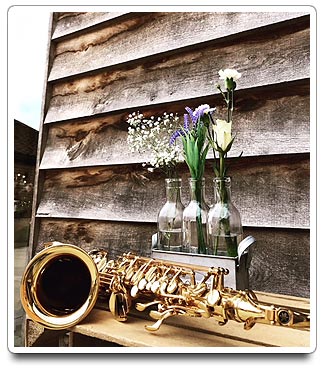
69	23
272	266
109	45
270	192
93	192
179	76
283	121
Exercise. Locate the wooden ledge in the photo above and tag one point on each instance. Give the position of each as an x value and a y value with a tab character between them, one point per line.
195	332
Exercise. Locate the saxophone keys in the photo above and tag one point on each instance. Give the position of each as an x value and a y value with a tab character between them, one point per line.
199	290
204	310
134	291
122	307
148	286
155	285
163	287
141	306
213	297
129	274
156	315
112	303
157	324
171	288
142	284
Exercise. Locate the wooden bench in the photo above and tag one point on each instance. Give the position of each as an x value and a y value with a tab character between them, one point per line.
182	332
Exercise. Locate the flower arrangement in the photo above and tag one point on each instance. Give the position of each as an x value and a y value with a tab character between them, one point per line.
194	134
195	148
224	222
199	132
220	136
151	135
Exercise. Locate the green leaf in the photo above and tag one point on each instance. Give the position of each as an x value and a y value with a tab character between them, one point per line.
196	157
190	155
202	161
229	145
216	171
204	153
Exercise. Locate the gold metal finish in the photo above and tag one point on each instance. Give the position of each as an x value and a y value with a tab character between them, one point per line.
39	292
174	288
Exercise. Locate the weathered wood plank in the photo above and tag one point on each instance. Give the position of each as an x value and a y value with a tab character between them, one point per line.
101	324
149	34
280	259
263	334
117	238
69	22
271	192
284	58
264	124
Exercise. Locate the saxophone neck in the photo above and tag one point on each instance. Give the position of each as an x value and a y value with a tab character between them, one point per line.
244	307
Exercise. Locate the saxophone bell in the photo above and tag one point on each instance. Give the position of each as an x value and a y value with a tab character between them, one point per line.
60	286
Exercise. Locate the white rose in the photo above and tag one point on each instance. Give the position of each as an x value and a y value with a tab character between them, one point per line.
222	129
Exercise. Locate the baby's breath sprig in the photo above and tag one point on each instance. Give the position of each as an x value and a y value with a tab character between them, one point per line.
151	135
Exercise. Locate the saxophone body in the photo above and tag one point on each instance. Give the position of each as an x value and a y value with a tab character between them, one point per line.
62	284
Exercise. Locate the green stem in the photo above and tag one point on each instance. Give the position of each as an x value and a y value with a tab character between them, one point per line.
222	165
200	233
229	101
228	106
211	139
231	244
231	107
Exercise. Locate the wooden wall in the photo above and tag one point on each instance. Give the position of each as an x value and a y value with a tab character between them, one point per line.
93	192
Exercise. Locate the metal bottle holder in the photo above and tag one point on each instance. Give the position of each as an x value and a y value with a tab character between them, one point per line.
238	277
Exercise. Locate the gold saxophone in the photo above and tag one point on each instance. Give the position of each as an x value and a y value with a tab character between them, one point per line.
62	284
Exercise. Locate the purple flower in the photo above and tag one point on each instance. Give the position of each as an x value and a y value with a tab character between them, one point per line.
175	135
186	123
195	116
198	113
191	114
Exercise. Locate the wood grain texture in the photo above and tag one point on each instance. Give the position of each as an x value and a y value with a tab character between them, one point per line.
280	259
101	324
145	34
263	334
71	22
263	124
116	237
179	77
272	191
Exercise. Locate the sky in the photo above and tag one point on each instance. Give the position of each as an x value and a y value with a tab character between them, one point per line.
27	48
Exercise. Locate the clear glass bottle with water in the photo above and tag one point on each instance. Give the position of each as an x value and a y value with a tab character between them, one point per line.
170	218
224	228
194	219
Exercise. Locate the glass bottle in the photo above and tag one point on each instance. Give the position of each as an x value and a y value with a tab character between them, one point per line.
194	219
170	218
224	228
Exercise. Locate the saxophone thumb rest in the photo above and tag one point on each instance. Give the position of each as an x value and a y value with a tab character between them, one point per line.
62	283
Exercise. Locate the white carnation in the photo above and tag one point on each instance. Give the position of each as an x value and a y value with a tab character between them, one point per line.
229	73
